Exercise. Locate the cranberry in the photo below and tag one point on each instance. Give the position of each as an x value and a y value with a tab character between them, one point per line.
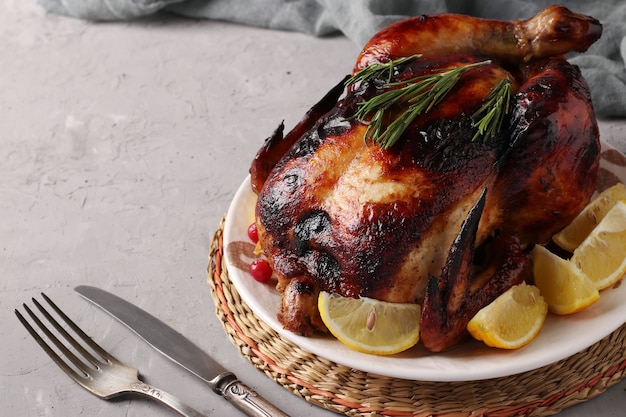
253	233
260	270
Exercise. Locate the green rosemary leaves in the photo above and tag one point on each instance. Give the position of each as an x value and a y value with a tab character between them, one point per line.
418	96
495	106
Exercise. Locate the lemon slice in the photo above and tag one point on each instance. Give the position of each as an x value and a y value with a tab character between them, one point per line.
512	320
566	289
602	255
369	325
573	234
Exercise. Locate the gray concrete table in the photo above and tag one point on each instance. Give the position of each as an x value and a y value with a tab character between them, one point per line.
122	145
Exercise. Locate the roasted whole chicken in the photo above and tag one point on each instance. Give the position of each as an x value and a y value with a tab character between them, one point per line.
443	216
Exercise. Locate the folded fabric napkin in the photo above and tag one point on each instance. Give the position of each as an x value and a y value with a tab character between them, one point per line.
603	65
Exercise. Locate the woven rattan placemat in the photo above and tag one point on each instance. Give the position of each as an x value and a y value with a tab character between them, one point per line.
541	392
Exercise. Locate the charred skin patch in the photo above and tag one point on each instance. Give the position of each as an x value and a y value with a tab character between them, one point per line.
309	229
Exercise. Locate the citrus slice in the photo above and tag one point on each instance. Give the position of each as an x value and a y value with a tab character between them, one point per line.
512	320
369	325
565	288
602	255
573	234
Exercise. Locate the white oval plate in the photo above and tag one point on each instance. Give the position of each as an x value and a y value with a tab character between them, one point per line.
561	336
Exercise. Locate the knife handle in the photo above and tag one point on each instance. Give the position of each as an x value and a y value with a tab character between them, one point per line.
248	401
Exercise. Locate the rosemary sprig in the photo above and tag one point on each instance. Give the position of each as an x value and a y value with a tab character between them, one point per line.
378	70
493	110
417	96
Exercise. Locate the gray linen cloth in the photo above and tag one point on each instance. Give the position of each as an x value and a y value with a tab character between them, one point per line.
603	65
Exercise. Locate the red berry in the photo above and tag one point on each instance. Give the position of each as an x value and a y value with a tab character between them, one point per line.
253	233
260	270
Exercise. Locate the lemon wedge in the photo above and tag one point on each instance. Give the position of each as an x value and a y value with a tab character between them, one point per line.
565	288
573	234
602	255
512	320
370	326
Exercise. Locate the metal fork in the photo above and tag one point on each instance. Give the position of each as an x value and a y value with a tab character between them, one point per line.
104	376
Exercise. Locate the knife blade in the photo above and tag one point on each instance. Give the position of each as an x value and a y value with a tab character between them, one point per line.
182	351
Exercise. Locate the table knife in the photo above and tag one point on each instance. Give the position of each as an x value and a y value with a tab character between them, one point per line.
181	350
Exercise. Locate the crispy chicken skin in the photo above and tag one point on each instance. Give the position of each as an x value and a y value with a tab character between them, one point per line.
341	214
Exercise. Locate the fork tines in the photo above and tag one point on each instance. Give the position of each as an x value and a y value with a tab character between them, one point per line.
89	358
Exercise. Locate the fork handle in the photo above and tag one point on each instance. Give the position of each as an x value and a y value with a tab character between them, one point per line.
165	398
